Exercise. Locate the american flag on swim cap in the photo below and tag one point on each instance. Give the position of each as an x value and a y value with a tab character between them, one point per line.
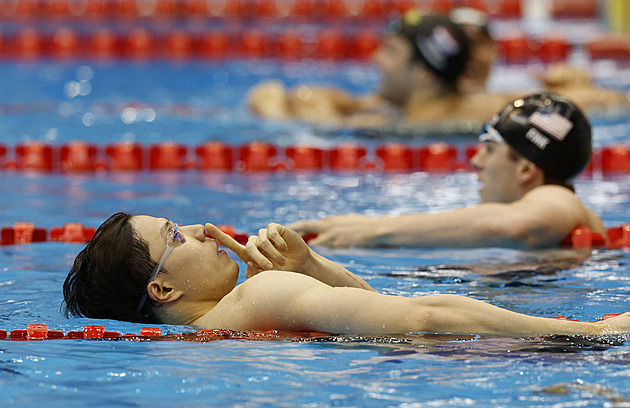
552	123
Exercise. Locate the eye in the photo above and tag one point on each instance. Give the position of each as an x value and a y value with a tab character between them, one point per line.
175	237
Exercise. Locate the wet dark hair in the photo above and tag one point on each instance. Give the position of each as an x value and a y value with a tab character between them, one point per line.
109	276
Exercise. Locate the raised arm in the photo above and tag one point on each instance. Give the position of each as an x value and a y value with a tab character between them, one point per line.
540	219
280	248
284	301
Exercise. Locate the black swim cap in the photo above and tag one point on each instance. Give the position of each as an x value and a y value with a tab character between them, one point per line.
439	43
547	129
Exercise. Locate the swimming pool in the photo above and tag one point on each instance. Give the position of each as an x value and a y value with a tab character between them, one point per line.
195	102
416	370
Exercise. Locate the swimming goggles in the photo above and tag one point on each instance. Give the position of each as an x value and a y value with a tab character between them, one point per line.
173	239
490	134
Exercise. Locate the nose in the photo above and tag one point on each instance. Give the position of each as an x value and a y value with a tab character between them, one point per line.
477	160
195	231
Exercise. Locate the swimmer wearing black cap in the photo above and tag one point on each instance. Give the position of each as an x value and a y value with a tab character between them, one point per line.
434	70
426	67
533	149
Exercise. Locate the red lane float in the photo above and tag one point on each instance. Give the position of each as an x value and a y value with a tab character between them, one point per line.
36	156
583	237
396	157
77	157
330	44
214	44
257	156
72	232
22	233
364	44
102	44
615	159
179	45
290	45
610	46
3	152
438	157
65	44
214	156
348	157
552	49
305	158
168	156
619	237
574	9
139	44
125	156
253	44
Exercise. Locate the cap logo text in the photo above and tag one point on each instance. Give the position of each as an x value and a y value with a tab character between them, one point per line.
537	138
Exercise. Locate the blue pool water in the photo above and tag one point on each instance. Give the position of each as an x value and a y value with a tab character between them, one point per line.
193	103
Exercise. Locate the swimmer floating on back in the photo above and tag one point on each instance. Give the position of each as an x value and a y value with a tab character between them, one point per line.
147	269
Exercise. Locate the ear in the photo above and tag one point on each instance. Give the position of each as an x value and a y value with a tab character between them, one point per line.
162	292
528	171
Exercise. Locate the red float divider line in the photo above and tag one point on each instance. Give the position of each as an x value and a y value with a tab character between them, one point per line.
67	41
35	332
519	49
134	11
72	232
142	43
255	156
26	233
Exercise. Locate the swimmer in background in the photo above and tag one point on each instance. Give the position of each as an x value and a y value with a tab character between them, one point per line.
412	78
434	69
150	270
532	150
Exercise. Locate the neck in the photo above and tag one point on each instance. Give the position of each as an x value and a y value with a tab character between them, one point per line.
182	312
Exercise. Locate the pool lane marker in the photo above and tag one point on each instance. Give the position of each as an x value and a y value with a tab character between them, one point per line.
42	332
27	233
73	232
257	156
38	331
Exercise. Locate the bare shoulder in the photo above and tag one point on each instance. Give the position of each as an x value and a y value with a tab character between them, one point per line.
566	201
252	303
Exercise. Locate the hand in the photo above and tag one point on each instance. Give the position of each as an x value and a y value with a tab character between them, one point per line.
275	247
617	324
560	76
269	100
340	231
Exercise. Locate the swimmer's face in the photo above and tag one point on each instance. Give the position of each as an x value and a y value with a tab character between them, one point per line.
394	58
498	167
197	266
